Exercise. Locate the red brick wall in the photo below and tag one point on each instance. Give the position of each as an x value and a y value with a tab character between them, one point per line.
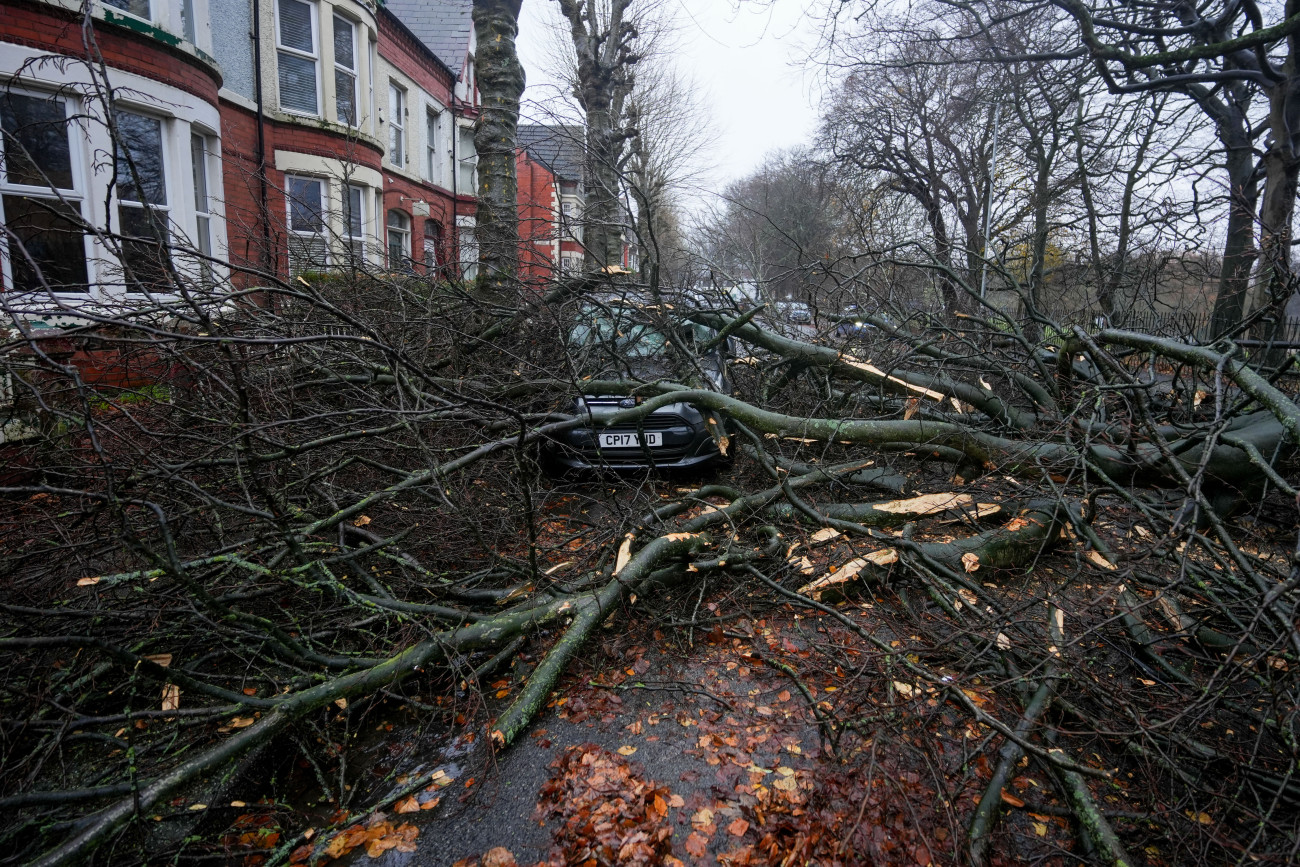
414	60
247	234
58	31
536	218
402	194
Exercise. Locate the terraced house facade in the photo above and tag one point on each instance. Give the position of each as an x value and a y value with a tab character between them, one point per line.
231	138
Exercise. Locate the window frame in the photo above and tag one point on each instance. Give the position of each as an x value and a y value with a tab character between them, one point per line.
159	213
322	234
354	72
204	240
466	163
314	57
433	232
397	103
77	196
400	232
433	134
350	239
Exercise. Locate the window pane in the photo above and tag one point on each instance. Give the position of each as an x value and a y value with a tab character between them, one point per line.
297	83
146	257
140	159
345	90
398	220
135	7
48	232
295	26
199	162
305	211
36	141
343	42
187	20
353	213
468	158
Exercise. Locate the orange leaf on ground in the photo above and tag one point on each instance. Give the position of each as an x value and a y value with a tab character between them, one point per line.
499	857
697	844
1012	800
407	805
738	828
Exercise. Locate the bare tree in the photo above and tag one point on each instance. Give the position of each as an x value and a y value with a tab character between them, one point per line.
501	81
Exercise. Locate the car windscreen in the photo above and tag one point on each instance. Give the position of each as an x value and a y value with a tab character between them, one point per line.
625	338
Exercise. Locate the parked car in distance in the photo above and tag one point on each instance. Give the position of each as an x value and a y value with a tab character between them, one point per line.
623	341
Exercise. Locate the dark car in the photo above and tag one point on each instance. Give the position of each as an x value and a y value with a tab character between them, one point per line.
625	343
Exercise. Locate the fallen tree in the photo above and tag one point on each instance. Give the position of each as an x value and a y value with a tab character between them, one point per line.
322	503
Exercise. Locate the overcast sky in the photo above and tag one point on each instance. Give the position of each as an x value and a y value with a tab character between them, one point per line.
752	64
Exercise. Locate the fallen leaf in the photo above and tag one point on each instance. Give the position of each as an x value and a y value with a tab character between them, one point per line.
702	818
738	828
1012	800
1203	818
1040	829
407	805
904	689
697	844
88	582
970	561
197	807
171	697
238	804
161	659
498	857
361	521
676	801
341	703
1003	642
626	750
241	722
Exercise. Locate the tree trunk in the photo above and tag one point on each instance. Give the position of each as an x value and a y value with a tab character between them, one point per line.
501	83
1239	247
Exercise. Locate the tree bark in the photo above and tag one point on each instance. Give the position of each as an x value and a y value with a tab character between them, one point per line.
501	83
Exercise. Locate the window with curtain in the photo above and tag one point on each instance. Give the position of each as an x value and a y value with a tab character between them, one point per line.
308	250
297	56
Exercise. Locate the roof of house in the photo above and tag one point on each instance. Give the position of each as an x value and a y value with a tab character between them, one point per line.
444	26
559	146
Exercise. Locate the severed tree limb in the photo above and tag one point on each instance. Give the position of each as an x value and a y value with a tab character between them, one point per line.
977	842
588	612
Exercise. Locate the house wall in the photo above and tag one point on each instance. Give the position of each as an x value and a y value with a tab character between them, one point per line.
538	209
156	74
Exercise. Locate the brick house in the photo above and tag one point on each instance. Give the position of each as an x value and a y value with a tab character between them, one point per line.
162	181
550	216
359	115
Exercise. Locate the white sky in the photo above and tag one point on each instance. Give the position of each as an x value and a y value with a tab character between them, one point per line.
752	63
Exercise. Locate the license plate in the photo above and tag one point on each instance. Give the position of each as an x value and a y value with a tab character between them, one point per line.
628	440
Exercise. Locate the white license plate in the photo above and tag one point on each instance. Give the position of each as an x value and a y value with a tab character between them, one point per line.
628	440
